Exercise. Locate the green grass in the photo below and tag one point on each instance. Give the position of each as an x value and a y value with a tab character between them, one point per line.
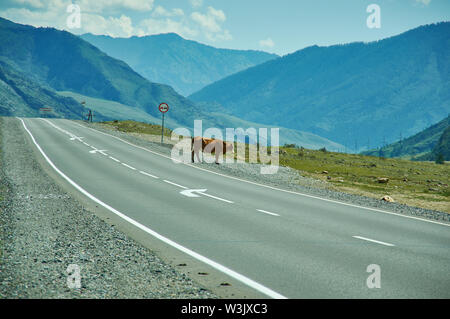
138	127
424	184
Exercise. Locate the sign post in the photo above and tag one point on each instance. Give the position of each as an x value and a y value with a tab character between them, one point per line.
163	108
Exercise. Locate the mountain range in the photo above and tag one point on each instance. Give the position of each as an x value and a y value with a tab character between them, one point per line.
72	71
185	65
362	94
21	96
64	62
424	145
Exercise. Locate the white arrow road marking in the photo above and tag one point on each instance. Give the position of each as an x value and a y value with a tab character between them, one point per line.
266	212
172	183
218	198
99	151
78	138
191	192
373	241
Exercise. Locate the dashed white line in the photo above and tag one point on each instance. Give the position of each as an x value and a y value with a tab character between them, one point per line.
249	282
218	198
147	174
131	167
262	185
172	183
373	241
114	159
266	212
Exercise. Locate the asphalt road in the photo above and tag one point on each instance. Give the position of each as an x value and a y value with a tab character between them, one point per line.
282	244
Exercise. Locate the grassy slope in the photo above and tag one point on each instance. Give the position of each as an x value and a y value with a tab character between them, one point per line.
421	184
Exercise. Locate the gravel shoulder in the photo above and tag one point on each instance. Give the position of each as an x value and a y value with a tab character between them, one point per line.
286	177
43	229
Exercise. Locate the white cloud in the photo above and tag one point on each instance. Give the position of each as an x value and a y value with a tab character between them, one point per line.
210	22
116	18
115	27
157	26
102	6
425	2
267	43
161	12
31	3
196	3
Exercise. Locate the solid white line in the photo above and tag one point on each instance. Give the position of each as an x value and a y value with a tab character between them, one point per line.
114	159
145	173
373	240
86	144
249	282
266	212
267	186
172	183
218	198
128	166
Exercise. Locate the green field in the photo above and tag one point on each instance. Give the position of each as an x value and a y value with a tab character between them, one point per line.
136	127
421	184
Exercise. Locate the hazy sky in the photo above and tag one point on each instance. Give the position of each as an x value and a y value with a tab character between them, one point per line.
281	26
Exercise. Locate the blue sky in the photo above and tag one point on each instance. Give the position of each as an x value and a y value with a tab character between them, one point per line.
281	26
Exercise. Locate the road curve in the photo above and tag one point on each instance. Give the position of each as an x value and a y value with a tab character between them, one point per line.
282	244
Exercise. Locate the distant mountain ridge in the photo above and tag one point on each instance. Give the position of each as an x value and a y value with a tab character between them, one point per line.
185	65
418	146
65	62
358	93
21	96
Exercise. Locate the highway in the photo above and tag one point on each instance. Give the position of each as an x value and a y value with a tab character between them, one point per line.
282	244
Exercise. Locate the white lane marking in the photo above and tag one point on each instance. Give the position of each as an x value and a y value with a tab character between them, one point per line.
266	212
86	144
267	186
172	183
145	173
94	151
114	159
373	240
126	165
249	282
218	198
191	192
78	138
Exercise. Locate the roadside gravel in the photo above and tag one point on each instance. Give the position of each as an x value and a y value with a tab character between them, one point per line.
286	178
43	230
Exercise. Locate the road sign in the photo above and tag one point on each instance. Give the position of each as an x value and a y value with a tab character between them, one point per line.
163	107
